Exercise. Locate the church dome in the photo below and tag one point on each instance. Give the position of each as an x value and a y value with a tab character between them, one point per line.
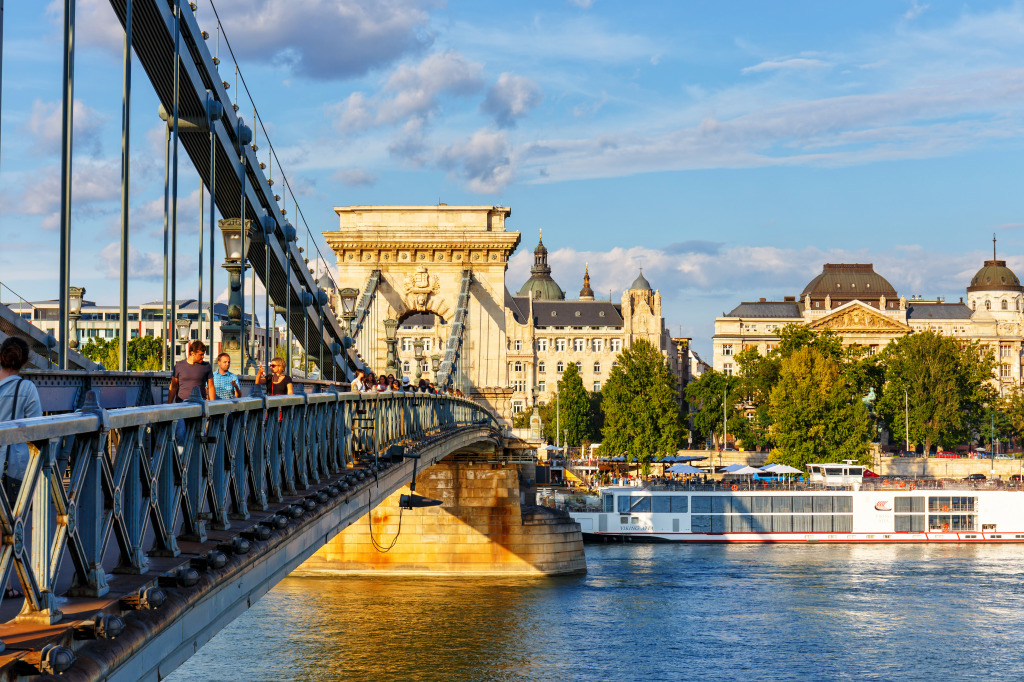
849	281
641	282
995	276
540	283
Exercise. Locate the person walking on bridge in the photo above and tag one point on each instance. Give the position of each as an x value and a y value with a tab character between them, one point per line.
190	373
19	399
225	382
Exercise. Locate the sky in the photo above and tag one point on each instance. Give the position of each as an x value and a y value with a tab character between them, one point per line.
728	149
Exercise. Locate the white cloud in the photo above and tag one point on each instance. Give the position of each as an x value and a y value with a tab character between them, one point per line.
354	177
412	92
510	98
483	160
144	265
915	10
796	63
92	184
319	39
45	125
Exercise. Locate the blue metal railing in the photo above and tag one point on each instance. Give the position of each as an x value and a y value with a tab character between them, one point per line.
98	474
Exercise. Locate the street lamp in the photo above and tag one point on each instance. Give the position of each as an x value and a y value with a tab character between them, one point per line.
235	249
391	337
435	364
348	297
75	295
417	349
183	326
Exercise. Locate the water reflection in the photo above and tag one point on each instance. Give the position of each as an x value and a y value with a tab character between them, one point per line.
649	612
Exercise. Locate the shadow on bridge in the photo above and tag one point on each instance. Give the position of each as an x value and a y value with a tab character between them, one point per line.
201	528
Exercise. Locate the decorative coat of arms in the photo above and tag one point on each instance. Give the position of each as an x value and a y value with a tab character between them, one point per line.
420	285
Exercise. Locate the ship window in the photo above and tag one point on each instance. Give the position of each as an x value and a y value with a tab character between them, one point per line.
802	504
822	505
623	504
719	524
640	504
822	523
843	504
951	504
761	523
661	504
701	504
761	505
782	504
909	523
906	505
802	524
782	523
954	522
842	523
609	503
721	505
679	504
700	524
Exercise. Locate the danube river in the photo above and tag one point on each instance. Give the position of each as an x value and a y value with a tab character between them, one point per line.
651	612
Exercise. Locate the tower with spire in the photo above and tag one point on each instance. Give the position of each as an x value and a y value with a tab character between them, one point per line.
541	285
586	293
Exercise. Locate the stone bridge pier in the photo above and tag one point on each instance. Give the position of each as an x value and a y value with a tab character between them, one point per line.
484	525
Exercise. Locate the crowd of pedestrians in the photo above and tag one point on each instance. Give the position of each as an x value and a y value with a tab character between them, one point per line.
368	382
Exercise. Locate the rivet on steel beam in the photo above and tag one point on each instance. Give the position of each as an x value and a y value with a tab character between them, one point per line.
309	504
215	560
322	497
206	35
257	533
107	626
295	511
185	576
240	545
277	521
55	659
148	599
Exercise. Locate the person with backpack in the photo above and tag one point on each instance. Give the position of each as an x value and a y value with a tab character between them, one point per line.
19	399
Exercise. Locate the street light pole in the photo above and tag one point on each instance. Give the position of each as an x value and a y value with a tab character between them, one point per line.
906	417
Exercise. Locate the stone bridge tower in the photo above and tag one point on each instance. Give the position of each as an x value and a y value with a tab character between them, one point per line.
421	253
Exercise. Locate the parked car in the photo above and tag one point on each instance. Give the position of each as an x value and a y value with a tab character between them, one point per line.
1016	478
975	477
946	454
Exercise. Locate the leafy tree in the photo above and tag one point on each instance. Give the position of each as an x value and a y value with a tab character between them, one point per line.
596	416
105	352
574	404
642	417
943	382
521	420
1012	408
816	416
706	394
143	353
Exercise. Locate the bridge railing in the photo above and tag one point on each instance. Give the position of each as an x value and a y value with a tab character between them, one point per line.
96	475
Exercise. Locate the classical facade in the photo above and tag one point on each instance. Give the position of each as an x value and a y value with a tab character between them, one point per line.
409	262
864	308
546	331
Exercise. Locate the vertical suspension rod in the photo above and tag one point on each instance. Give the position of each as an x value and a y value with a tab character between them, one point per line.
126	115
174	175
67	120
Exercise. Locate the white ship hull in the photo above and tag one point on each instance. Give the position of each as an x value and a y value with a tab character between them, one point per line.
849	516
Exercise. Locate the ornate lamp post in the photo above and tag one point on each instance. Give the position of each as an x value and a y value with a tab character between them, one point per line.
435	364
348	297
417	348
75	295
234	255
183	327
391	337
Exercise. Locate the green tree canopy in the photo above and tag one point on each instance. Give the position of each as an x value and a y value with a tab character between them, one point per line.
942	382
641	415
706	394
816	416
143	353
569	411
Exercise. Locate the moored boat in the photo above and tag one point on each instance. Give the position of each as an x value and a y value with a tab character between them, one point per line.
837	505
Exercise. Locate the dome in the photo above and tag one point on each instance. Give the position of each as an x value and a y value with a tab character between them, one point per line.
849	281
586	293
995	276
641	282
540	283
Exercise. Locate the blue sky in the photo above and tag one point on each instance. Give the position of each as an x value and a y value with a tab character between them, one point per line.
728	148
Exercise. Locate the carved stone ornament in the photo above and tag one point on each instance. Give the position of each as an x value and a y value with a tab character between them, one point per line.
420	285
859	319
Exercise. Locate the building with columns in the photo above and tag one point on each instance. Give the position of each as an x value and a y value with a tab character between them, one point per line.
864	308
546	331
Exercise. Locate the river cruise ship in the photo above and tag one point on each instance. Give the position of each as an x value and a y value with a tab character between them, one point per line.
835	505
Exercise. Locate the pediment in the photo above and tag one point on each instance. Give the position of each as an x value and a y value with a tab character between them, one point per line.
856	317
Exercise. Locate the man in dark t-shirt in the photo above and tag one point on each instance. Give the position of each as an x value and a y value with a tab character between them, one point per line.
190	373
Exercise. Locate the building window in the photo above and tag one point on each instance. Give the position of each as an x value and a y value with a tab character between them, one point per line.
542	344
873	349
1004	350
517	406
727	349
597	368
517	344
616	345
578	345
597	386
427	345
727	368
560	345
598	345
1005	305
1004	371
406	344
541	367
542	386
560	367
579	366
519	385
405	367
988	305
516	366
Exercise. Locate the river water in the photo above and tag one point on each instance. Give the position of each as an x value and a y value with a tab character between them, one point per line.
651	612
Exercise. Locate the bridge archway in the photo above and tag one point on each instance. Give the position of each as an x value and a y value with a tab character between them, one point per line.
406	260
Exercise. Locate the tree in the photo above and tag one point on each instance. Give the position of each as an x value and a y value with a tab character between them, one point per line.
706	394
1012	407
574	405
816	417
641	416
143	353
942	382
